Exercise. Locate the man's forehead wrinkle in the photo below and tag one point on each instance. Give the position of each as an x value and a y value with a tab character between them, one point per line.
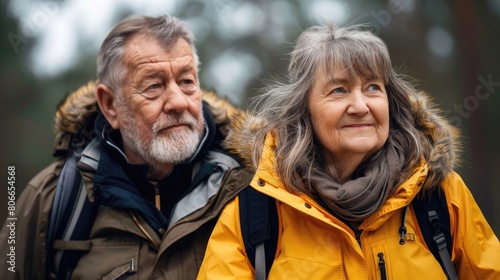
155	66
148	69
136	53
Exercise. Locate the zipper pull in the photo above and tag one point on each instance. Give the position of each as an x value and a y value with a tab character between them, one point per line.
381	265
157	198
133	266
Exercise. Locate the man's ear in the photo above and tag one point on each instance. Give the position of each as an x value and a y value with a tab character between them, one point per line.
107	102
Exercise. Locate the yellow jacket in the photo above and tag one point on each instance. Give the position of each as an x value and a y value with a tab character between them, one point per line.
314	244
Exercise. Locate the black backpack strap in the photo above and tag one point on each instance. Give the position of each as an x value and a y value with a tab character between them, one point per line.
69	177
259	227
434	221
72	214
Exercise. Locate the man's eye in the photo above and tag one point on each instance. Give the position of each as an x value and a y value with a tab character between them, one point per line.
187	81
153	91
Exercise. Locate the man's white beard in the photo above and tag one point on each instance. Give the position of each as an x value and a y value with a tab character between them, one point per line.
174	147
169	147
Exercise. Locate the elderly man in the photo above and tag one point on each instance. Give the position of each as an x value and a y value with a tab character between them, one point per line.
147	169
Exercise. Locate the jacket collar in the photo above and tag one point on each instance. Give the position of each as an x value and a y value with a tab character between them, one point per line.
116	182
402	196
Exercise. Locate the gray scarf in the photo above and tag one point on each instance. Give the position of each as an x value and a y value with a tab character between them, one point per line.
359	198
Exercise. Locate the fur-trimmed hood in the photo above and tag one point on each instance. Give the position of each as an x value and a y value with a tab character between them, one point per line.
442	137
74	120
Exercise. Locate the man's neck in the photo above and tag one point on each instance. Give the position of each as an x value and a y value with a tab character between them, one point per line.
157	173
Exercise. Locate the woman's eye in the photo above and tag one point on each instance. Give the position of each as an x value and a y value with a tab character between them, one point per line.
337	90
374	88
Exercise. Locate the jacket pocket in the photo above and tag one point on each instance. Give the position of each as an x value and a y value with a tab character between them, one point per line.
125	271
109	260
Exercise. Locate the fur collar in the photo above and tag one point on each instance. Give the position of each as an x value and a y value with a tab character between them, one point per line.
443	140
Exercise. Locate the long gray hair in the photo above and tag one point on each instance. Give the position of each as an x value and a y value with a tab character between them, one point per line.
166	30
284	105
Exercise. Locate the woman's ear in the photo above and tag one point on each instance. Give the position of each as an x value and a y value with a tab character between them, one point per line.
107	102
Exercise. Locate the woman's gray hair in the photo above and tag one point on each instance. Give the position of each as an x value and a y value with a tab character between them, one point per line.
166	30
284	105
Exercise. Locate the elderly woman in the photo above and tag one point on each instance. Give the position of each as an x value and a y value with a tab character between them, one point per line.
344	147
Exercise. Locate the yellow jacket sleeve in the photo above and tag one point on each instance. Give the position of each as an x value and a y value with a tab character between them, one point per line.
476	253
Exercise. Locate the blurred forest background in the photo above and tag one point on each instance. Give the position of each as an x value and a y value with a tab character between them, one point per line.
48	49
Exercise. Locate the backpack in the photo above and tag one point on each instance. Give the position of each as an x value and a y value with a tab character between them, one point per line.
72	214
260	229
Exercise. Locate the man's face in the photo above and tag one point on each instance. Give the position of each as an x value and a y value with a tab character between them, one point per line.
159	113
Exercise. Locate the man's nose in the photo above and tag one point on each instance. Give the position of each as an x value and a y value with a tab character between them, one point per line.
176	99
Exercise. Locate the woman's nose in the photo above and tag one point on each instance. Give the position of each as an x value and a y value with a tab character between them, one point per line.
357	103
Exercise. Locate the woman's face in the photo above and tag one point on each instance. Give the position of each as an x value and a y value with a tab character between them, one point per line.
350	117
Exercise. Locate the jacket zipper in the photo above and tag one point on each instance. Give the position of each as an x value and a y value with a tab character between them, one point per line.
381	266
357	234
144	231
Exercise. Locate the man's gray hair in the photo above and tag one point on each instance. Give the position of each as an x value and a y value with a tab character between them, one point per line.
166	30
284	105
